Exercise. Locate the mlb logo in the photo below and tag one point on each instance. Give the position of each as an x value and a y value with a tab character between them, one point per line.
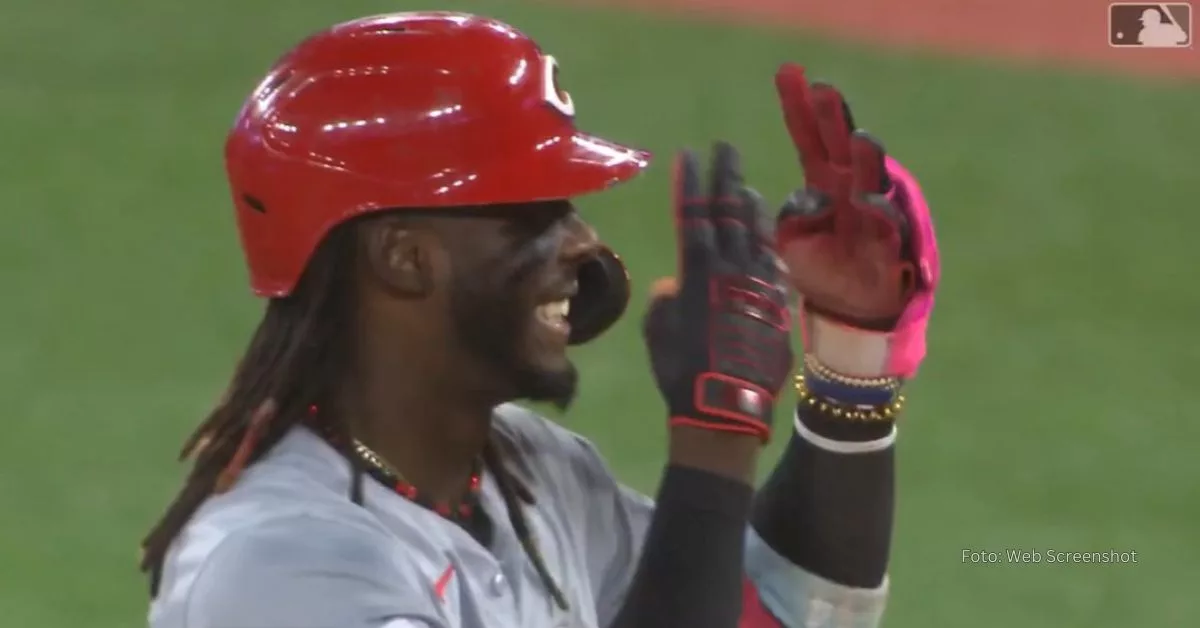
1163	25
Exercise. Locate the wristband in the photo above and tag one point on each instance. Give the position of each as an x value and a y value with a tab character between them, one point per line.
825	383
842	411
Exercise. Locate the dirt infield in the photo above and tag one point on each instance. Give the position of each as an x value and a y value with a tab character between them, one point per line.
1070	32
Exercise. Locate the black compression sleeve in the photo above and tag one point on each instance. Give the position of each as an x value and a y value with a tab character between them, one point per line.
690	574
831	513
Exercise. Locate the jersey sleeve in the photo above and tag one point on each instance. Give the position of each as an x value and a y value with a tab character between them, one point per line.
778	594
304	572
795	597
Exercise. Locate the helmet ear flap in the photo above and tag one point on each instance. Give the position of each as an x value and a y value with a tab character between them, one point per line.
602	298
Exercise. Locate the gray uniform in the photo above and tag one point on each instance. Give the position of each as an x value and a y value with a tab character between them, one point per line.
286	548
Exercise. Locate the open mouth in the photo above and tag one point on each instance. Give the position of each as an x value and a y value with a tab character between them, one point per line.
553	315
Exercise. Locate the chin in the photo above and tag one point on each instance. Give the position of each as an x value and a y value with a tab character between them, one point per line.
526	355
555	384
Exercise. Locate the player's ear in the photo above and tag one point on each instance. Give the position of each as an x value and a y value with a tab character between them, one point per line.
400	255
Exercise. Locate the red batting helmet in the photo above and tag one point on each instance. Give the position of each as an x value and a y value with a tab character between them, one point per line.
403	110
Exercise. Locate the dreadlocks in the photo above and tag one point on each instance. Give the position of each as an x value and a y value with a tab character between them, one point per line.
290	364
294	360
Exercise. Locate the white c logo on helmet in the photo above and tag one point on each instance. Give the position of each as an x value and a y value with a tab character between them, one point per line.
554	95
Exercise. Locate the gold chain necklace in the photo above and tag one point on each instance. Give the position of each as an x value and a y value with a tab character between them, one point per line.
374	459
458	511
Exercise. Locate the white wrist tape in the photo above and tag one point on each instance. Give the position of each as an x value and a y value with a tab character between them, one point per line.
841	446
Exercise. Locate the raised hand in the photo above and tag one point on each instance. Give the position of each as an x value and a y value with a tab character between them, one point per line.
719	333
857	239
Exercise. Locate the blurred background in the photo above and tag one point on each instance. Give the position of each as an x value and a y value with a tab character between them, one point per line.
1055	411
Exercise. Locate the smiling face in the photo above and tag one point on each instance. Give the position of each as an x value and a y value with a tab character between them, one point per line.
514	273
479	295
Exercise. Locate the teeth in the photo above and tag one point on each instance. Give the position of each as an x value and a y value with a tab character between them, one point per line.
555	312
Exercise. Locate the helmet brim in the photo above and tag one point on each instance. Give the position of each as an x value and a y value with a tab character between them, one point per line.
568	166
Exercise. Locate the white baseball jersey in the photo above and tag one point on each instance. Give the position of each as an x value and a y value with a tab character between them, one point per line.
286	548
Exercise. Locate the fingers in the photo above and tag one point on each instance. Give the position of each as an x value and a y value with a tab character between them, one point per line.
833	123
693	223
799	116
727	220
868	170
845	171
733	219
725	178
762	225
743	229
662	312
761	237
869	187
664	287
804	203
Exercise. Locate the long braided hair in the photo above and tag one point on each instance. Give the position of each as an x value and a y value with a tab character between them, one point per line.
294	359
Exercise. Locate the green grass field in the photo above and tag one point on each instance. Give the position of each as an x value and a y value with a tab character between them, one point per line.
1053	411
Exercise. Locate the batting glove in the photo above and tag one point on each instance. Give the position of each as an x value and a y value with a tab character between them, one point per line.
858	240
719	335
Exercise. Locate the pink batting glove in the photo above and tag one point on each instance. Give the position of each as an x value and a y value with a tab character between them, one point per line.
858	240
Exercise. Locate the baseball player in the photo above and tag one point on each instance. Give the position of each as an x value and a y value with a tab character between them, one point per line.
403	189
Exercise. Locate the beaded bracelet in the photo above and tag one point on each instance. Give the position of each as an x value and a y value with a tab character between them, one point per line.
886	412
824	372
825	383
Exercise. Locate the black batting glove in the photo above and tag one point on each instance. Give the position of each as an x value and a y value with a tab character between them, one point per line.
719	334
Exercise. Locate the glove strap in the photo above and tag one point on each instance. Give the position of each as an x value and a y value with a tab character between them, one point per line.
729	404
864	353
852	352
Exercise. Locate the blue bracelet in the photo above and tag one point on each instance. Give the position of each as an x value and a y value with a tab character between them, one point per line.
845	394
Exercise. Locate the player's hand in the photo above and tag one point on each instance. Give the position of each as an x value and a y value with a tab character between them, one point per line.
719	334
857	238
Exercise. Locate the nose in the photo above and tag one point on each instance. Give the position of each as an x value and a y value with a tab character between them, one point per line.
581	241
